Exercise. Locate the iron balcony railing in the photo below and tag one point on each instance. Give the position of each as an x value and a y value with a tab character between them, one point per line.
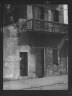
45	26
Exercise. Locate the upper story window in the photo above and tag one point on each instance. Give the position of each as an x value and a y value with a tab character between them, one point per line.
46	14
39	13
56	16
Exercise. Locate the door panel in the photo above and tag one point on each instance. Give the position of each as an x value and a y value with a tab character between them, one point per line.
23	64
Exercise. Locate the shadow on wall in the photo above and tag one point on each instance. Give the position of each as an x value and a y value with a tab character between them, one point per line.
44	40
23	39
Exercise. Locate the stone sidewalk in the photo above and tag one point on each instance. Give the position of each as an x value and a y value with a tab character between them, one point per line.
29	83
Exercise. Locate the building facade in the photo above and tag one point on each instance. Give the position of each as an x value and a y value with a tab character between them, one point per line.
39	47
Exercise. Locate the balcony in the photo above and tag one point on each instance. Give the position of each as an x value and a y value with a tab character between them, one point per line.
44	26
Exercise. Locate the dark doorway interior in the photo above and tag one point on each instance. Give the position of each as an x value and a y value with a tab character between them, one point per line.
23	64
40	63
55	57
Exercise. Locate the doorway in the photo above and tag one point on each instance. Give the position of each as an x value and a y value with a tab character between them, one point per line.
23	64
40	63
55	56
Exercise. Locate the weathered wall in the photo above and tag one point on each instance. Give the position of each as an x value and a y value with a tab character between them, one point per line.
48	61
63	58
11	56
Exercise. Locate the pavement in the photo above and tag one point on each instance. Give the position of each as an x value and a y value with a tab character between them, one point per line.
36	83
59	86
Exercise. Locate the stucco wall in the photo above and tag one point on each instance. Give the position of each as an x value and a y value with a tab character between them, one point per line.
11	56
48	61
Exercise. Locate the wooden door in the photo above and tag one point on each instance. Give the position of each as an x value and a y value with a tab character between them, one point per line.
23	64
40	63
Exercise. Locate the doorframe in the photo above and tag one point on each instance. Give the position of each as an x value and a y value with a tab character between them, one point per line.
20	65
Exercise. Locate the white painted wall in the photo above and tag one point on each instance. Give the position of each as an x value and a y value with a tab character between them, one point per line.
29	12
65	13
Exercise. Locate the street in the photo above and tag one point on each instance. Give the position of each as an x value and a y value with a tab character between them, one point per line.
46	83
51	87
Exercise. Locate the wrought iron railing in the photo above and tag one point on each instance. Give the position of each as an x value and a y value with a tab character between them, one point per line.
47	26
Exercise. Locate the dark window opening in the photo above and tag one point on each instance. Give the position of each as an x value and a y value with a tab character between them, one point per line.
23	63
42	13
56	16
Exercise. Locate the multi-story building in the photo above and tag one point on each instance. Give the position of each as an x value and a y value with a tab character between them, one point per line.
39	47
